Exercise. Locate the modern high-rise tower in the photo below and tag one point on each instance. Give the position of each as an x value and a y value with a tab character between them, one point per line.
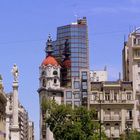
72	55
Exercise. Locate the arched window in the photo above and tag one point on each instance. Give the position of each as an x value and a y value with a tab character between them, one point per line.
44	83
55	72
43	73
55	81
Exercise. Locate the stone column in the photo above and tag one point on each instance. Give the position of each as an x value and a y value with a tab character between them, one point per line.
15	126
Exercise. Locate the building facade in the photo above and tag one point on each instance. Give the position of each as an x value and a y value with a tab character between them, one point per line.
49	87
30	130
131	69
114	103
23	120
2	112
73	56
98	75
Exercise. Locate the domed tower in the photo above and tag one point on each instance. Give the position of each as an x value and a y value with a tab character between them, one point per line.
49	69
49	87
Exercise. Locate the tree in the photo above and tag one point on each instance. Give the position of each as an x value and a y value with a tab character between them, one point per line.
130	135
72	124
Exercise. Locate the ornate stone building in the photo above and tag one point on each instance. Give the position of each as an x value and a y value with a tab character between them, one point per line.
114	103
49	87
2	111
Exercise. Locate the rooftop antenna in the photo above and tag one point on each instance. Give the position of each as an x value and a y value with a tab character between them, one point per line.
119	76
129	29
105	68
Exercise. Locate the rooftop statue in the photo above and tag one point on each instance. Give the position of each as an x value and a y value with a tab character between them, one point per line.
15	72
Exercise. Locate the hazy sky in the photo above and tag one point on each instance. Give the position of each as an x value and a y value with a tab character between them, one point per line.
25	25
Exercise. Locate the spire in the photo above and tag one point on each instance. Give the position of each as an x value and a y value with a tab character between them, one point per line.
49	48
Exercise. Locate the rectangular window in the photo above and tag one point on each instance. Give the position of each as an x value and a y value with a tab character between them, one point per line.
76	95
76	103
128	96
139	75
69	102
84	94
138	64
84	85
76	84
68	94
138	41
84	75
107	96
115	96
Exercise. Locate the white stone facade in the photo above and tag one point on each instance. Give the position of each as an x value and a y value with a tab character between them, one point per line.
99	75
131	69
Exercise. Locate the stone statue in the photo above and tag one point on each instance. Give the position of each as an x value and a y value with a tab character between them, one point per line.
15	72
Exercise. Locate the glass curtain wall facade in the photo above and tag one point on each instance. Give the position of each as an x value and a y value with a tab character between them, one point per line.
77	36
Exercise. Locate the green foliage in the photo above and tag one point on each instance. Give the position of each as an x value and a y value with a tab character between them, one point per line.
71	124
130	135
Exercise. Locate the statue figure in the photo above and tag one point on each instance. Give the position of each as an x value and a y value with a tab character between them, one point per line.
15	72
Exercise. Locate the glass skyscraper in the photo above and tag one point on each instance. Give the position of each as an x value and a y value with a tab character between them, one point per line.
76	35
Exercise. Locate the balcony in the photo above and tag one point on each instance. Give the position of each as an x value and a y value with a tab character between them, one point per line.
112	118
137	92
111	102
128	118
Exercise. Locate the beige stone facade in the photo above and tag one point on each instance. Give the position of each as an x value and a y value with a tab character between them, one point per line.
2	112
22	118
116	102
131	69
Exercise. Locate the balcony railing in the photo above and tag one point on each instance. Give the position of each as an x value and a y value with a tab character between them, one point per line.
112	118
128	118
112	102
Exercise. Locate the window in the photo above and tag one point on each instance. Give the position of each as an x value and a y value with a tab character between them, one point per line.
77	95
137	53
68	94
138	41
128	96
84	85
115	96
134	41
107	96
55	72
76	103
44	83
55	81
84	94
68	102
139	87
84	75
138	64
43	73
139	75
76	84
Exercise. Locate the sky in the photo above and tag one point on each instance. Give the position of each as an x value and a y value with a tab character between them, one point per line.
25	25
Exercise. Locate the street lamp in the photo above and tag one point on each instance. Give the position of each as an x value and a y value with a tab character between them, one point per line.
127	129
100	102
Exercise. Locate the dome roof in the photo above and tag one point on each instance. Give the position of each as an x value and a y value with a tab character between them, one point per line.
50	60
